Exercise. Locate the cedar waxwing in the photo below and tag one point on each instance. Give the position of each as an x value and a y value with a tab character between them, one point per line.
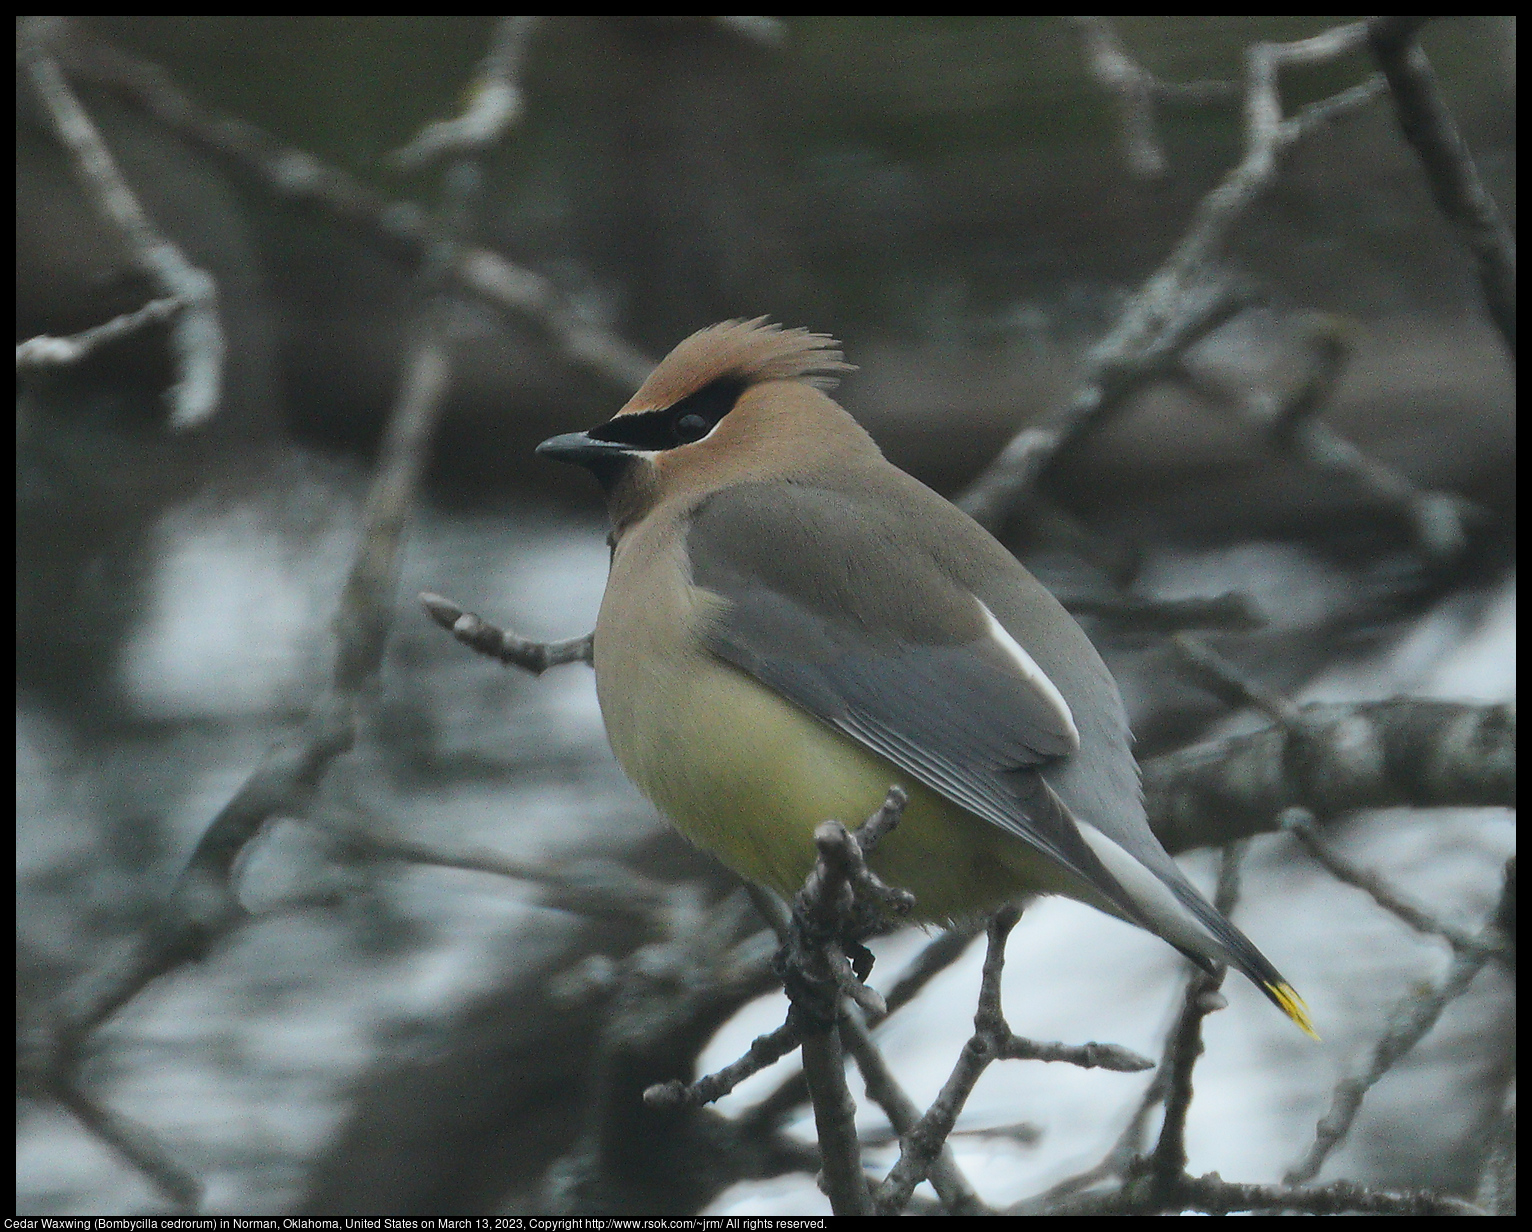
792	624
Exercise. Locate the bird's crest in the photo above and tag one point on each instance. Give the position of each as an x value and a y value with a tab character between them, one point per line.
750	351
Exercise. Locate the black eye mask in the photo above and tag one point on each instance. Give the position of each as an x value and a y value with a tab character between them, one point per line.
690	419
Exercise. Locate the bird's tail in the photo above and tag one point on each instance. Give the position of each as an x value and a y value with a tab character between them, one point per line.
1243	955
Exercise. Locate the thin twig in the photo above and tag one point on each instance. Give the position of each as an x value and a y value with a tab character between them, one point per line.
495	103
1167	1161
1166	1164
197	336
45	351
764	1052
1135	90
1226	682
1302	823
1119	1159
590	887
139	1146
992	1040
1293	424
922	1145
1413	1017
1146	343
937	955
952	1187
934	958
497	643
659	1004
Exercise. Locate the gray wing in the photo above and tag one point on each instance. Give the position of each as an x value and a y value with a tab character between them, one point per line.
876	641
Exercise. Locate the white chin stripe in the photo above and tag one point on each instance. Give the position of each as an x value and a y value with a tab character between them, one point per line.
1035	675
1164	911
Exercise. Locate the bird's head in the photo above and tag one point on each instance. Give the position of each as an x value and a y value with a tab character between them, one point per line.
736	402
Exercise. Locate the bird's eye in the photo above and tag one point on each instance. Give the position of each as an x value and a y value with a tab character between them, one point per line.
691	427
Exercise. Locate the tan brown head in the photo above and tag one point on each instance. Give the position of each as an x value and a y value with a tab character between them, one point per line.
736	401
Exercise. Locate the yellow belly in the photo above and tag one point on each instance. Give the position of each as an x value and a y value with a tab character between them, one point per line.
748	775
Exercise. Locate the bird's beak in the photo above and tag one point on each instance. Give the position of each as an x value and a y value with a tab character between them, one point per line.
582	449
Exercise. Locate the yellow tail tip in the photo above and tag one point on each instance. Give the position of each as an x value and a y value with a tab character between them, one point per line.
1293	1006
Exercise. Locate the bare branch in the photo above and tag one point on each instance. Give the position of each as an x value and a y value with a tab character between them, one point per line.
764	1051
1428	126
44	351
139	1146
935	958
656	1007
835	1124
991	1041
1412	1018
1175	306
1334	759
922	1145
495	103
872	832
957	1195
1221	678
1300	822
813	957
777	914
293	174
817	974
1113	1057
197	337
1135	90
590	887
1166	1164
1132	89
1231	612
478	634
204	904
1124	1154
1292	423
1147	343
838	888
1171	1086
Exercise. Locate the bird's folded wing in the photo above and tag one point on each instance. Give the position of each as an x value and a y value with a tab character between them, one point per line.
880	644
